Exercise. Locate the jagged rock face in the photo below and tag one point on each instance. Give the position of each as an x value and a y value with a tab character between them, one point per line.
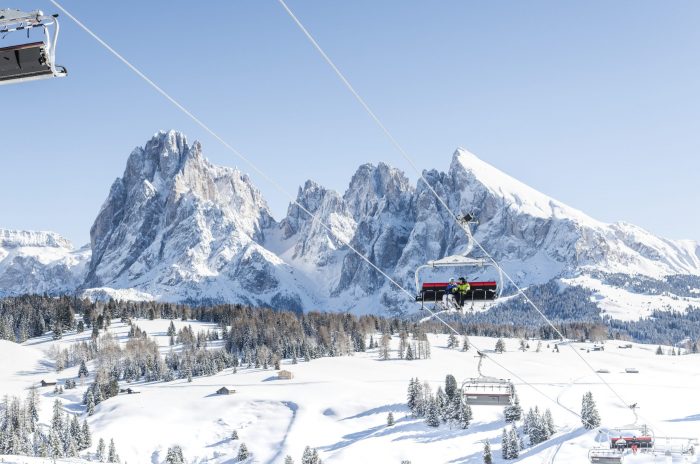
314	242
177	227
380	199
39	262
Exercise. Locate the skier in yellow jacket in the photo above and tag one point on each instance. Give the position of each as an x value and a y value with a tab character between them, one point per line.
462	289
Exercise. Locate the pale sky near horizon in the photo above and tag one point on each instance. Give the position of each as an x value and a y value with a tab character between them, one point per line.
594	103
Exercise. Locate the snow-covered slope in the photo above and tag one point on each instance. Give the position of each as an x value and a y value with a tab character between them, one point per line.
177	228
339	405
39	262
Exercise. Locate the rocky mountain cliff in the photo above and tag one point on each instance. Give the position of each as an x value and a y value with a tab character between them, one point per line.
39	262
177	228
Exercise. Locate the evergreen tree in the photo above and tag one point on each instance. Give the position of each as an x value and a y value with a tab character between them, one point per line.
432	414
465	344
659	350
310	456
85	436
500	346
57	329
288	460
57	418
513	412
55	445
451	389
529	421
441	403
513	442
390	419
83	371
549	422
589	412
412	396
90	408
112	455
234	435
101	450
32	408
243	453
487	453
174	455
465	415
505	445
409	353
452	341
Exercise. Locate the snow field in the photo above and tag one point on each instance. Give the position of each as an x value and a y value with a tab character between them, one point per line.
340	405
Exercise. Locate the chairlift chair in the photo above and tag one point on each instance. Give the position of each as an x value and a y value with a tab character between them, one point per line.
481	292
29	61
487	391
605	456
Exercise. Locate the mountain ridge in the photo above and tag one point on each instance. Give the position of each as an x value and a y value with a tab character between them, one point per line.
175	227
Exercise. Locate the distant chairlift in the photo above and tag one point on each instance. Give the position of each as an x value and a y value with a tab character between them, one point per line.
487	391
605	456
29	61
480	291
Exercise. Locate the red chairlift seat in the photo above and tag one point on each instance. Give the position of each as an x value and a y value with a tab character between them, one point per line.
478	291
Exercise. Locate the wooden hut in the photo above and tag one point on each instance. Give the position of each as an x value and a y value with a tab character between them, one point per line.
285	375
226	390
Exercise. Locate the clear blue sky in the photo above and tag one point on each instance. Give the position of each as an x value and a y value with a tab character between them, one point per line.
596	103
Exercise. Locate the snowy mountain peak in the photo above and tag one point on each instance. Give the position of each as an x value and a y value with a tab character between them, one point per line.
474	174
372	186
25	238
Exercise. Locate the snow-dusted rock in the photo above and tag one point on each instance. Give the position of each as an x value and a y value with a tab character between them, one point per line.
39	262
175	227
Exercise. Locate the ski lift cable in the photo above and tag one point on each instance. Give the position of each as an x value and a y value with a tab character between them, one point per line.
252	165
410	160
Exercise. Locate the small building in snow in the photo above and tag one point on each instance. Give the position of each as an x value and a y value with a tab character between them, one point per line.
632	370
226	391
285	375
129	391
48	383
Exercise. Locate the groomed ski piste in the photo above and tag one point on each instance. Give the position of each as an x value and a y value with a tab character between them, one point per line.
340	405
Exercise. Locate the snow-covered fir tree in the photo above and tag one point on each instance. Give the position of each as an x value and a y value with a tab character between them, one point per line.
500	346
243	453
452	341
112	455
488	459
175	455
589	412
549	422
505	445
432	413
83	370
513	412
310	456
451	388
514	442
390	419
101	450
